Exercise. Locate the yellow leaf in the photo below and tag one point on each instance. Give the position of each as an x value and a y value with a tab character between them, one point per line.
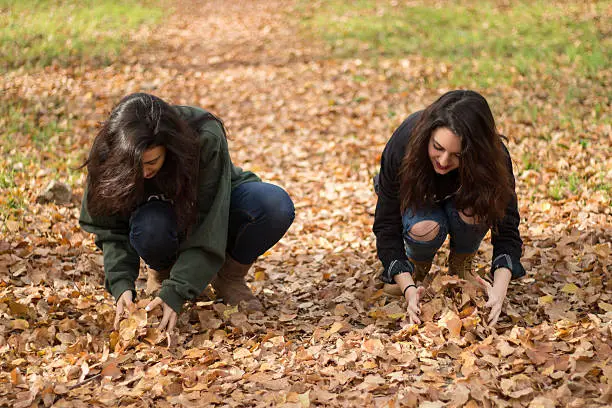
260	276
153	336
195	353
570	288
335	328
545	300
230	311
127	329
369	365
377	314
605	306
452	322
19	324
304	399
18	309
113	340
602	251
241	353
548	370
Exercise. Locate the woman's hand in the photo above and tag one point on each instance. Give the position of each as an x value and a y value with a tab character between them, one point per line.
496	293
168	321
413	296
125	307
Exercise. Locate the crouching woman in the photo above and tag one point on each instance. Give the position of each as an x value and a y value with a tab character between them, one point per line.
445	171
161	186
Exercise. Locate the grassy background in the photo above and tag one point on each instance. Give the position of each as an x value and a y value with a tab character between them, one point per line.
499	40
35	33
37	132
559	45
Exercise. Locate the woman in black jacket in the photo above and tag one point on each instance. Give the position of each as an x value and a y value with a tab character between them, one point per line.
445	171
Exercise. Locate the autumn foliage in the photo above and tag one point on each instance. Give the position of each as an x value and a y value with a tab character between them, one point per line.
315	124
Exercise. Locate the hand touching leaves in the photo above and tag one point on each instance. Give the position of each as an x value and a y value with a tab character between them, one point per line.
496	293
125	307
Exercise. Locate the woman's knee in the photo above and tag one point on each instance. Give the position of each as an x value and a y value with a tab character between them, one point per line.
153	231
278	208
424	231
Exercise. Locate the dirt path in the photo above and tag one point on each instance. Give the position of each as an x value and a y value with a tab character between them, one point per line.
315	126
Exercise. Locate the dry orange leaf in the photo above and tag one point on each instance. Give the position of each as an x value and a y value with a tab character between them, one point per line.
16	377
112	370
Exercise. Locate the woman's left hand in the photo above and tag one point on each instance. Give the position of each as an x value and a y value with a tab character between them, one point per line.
496	293
168	321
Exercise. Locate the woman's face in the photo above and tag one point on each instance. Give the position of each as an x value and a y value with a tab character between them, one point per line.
444	150
152	160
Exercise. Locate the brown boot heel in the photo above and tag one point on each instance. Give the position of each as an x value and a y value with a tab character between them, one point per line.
229	284
460	264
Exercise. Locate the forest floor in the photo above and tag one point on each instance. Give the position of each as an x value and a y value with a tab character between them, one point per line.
316	124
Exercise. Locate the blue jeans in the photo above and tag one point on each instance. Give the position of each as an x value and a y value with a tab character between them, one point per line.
464	237
259	216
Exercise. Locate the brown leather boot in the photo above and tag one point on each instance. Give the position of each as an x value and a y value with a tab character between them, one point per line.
460	264
229	284
155	279
421	269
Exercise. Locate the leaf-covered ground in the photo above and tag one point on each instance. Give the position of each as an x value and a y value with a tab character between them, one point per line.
316	125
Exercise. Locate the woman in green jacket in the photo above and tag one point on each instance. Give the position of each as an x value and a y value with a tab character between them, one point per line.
161	186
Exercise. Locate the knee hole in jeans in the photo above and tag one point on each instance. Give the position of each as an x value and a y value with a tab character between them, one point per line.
424	231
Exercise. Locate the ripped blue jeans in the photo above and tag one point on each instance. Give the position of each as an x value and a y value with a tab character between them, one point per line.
464	237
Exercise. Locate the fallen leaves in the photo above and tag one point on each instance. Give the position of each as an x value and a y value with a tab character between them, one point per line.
329	336
132	327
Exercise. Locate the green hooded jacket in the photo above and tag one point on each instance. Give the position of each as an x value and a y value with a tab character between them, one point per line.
202	253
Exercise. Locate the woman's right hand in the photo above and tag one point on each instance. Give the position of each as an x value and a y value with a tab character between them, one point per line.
125	306
413	296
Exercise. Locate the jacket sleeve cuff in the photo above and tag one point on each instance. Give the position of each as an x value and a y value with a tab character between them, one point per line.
506	261
395	268
121	286
171	298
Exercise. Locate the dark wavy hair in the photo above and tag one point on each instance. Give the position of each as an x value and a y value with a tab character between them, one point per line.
115	183
486	185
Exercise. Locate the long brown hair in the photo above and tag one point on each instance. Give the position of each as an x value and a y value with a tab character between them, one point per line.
486	185
115	183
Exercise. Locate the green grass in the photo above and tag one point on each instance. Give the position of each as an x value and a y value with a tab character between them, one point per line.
575	182
25	125
36	33
484	41
16	203
7	178
603	185
556	191
530	162
37	133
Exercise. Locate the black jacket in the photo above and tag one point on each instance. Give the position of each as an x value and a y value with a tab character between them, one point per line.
507	243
